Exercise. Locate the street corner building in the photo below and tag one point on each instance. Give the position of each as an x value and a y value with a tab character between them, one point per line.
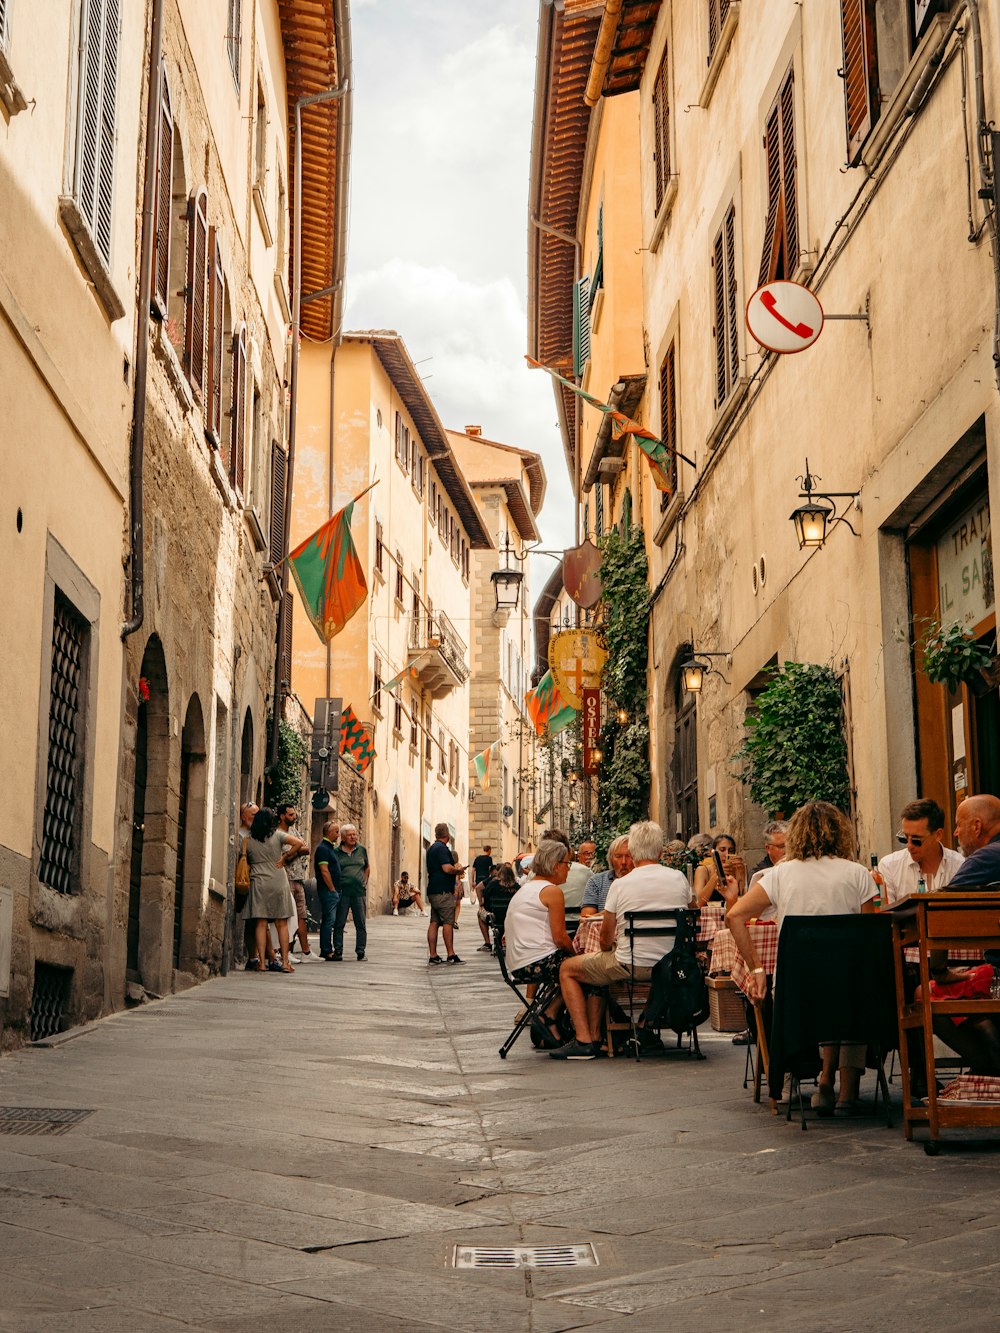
684	156
144	455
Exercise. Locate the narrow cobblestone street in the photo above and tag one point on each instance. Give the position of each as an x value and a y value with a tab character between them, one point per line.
306	1151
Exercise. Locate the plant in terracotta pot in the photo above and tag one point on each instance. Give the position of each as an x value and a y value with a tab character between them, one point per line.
950	655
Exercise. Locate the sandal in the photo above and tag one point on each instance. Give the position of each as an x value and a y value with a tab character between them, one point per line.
286	968
545	1029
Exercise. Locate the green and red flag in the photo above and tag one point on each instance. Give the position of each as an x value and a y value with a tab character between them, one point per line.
328	574
354	740
548	710
657	453
482	764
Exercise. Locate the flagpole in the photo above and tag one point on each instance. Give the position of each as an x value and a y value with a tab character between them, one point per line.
278	563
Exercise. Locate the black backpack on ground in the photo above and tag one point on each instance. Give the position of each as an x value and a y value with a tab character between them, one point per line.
678	996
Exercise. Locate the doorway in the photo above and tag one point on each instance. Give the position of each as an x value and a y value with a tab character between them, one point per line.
395	845
148	881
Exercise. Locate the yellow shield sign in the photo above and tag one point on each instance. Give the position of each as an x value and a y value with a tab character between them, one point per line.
576	660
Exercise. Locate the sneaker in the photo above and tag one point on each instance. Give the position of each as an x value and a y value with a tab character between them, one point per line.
434	958
362	958
743	1038
395	911
335	958
455	926
822	1100
309	957
486	948
576	1050
453	958
275	967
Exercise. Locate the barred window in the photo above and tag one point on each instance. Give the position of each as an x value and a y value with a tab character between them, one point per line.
59	863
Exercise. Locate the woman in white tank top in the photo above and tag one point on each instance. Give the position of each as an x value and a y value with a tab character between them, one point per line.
535	927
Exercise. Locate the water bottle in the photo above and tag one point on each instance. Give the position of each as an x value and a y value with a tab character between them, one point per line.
879	882
921	885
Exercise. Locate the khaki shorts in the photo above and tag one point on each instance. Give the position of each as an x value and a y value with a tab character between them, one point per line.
600	969
442	907
299	896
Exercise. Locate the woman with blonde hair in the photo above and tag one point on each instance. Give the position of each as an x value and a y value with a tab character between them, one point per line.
818	877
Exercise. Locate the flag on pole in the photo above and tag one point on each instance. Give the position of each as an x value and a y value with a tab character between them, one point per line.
482	764
398	678
548	710
657	453
328	574
354	740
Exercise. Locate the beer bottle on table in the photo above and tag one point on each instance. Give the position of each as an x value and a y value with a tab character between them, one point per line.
879	882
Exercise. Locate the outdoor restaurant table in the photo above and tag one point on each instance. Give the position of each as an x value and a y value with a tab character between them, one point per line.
726	958
929	921
587	938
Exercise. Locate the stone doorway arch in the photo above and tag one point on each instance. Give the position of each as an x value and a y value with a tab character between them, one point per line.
149	819
188	874
395	845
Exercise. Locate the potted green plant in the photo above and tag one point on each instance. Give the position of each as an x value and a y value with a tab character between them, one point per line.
950	655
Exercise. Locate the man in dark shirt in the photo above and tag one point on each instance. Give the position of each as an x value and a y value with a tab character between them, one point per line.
354	871
443	870
977	831
327	869
482	871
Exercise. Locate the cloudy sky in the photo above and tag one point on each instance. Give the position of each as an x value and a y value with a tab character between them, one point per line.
438	239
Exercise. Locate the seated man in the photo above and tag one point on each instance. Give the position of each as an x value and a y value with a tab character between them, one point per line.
649	887
599	886
922	856
405	895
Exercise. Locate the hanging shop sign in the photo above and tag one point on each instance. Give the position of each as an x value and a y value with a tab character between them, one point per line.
582	574
576	660
965	567
784	317
591	728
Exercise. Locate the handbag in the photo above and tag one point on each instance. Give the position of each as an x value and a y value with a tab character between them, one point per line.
242	881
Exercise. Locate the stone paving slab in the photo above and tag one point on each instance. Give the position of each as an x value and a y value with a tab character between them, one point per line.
307	1151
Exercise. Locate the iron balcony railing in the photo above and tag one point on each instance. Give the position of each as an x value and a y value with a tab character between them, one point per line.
436	631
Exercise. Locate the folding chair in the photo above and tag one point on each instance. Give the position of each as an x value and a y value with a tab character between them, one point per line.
849	959
680	927
546	988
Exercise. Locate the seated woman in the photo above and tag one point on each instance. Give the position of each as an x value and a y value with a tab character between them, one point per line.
706	877
498	891
535	930
816	878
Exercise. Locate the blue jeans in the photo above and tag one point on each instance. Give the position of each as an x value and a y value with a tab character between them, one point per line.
328	900
354	904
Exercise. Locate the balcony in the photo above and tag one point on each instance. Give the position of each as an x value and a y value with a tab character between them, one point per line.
437	654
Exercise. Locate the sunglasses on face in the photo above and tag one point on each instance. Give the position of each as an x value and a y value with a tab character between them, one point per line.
904	838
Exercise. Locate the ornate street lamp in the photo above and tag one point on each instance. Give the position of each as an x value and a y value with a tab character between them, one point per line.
814	519
507	581
694	670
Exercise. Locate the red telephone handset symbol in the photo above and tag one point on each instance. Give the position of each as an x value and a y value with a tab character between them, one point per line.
770	304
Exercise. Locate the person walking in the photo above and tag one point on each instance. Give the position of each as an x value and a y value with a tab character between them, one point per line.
297	870
327	867
268	848
354	871
443	870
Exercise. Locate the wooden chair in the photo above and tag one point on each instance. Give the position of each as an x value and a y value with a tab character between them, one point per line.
675	925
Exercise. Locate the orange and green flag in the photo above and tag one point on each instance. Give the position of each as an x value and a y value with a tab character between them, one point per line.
328	574
354	740
483	763
548	710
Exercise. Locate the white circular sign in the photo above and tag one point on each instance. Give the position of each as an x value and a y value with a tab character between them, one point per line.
784	317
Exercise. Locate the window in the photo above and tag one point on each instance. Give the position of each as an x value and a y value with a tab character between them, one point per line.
279	482
260	141
58	866
443	520
238	410
506	793
465	560
421	471
415	591
661	131
377	685
197	291
3	24
94	164
599	509
415	464
215	370
780	257
414	725
428	739
597	281
281	233
400	580
397	715
379	550
668	417
164	184
718	12
234	25
726	329
581	325
442	770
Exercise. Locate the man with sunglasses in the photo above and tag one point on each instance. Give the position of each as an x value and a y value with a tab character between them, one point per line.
923	856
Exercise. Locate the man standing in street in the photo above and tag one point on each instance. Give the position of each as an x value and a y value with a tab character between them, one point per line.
327	867
482	872
354	871
443	870
297	870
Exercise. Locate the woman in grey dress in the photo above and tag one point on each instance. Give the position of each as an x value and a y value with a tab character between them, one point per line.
268	851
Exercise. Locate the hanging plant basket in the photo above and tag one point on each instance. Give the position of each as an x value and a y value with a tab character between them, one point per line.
951	656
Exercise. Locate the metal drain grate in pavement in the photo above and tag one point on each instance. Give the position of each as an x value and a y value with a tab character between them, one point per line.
40	1119
525	1256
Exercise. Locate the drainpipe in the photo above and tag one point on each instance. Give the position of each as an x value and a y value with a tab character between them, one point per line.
314	99
138	436
602	50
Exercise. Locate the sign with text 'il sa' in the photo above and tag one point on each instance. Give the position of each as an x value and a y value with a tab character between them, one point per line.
591	728
965	567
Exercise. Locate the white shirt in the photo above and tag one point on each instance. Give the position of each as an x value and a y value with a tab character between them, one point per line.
821	886
643	889
901	872
527	929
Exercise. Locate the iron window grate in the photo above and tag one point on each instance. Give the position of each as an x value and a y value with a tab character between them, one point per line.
49	1000
59	829
40	1119
525	1256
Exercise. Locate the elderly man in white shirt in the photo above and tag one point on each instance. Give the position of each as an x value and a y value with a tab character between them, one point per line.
923	856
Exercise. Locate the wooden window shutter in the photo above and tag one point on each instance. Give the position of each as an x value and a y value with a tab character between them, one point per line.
860	72
770	261
279	484
234	26
732	304
718	11
3	23
164	180
197	305
238	410
95	148
286	643
581	324
719	264
216	350
668	416
661	132
780	253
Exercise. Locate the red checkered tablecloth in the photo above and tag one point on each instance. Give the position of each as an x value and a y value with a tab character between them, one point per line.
710	921
971	1088
726	957
954	955
588	935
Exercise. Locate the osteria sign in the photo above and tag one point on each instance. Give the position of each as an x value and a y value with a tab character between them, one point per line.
965	567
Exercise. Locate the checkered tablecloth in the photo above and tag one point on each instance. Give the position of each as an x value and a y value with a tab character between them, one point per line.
971	1088
954	955
726	957
588	935
710	921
